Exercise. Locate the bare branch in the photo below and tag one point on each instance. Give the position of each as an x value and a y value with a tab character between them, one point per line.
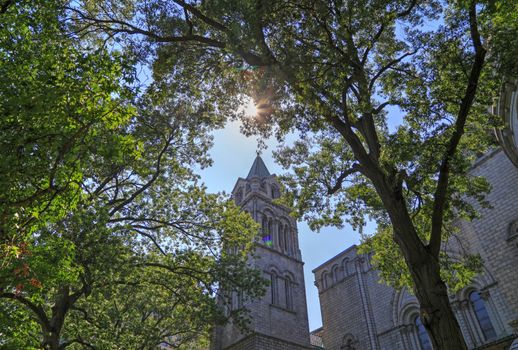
128	28
198	14
388	66
338	183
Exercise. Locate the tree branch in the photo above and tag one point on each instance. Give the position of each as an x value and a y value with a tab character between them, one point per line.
5	5
388	66
338	183
440	200
128	28
158	170
38	311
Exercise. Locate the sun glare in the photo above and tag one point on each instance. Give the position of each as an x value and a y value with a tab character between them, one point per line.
258	110
249	107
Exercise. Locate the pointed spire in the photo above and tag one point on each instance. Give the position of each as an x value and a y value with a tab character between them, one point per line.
258	169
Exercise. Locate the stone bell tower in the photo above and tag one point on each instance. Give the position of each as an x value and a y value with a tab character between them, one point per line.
279	319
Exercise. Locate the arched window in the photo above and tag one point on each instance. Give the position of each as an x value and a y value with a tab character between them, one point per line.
288	293
325	280
286	234
336	274
269	241
424	340
274	288
275	192
282	238
345	267
266	234
482	316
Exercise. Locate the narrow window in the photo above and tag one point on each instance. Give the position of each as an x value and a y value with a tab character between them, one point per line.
286	239
345	267
424	340
267	237
273	285
282	241
288	292
483	319
324	280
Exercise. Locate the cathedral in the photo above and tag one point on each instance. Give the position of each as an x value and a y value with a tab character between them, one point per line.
360	313
280	318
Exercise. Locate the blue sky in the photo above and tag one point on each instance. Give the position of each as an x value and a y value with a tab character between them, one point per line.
233	155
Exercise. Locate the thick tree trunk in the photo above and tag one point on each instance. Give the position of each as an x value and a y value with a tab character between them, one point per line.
436	313
51	341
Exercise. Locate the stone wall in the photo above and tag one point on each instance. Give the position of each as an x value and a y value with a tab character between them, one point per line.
359	312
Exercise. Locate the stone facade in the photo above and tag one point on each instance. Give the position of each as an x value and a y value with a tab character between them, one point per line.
279	319
358	312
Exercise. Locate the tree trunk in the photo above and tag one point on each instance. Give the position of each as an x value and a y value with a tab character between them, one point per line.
436	313
51	341
431	292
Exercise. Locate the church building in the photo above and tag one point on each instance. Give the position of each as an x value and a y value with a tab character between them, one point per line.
280	319
360	313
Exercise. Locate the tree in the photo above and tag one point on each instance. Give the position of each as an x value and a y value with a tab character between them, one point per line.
108	240
330	70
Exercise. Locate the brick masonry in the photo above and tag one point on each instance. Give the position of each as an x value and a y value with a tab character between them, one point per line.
279	322
360	313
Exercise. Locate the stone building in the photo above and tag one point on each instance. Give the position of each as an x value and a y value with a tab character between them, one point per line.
358	312
279	319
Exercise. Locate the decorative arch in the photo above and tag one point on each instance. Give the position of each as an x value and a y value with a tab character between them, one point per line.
405	309
408	313
274	286
289	274
325	279
403	306
477	309
273	268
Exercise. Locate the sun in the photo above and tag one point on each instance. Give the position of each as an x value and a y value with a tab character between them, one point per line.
257	109
249	107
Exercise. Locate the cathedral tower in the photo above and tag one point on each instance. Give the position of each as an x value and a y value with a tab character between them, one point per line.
279	319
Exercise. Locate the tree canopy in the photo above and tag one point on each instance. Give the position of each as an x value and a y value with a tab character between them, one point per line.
108	240
335	72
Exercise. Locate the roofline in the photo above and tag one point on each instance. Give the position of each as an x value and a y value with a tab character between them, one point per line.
334	257
253	177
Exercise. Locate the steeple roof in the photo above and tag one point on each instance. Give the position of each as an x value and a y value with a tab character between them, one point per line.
258	169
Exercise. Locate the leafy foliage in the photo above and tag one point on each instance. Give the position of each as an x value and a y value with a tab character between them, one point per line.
108	240
332	74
